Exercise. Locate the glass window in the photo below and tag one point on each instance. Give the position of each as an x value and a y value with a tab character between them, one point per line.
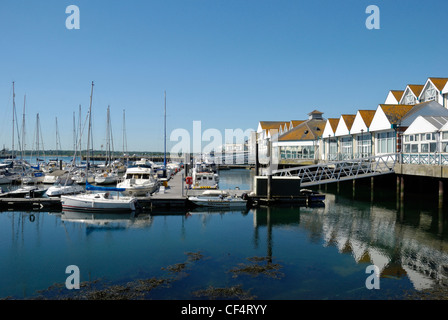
414	147
424	147
407	148
432	147
445	135
444	147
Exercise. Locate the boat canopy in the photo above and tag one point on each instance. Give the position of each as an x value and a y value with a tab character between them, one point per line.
98	188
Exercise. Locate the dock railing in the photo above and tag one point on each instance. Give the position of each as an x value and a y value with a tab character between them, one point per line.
434	158
342	170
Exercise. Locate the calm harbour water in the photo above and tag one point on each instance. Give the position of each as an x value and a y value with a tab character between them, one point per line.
319	253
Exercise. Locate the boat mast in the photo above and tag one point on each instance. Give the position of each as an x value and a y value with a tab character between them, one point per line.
164	139
88	133
125	144
23	128
13	113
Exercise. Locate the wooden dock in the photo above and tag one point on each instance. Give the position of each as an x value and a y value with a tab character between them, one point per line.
30	204
173	196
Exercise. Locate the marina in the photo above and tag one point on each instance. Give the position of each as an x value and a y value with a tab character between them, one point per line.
223	158
332	247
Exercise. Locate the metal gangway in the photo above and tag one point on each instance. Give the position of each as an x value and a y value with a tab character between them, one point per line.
335	171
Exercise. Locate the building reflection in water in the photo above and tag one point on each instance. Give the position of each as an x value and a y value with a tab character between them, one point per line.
401	243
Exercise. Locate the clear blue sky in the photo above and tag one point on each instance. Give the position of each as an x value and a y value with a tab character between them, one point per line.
227	63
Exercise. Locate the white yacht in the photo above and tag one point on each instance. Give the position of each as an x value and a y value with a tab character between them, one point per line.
204	177
139	181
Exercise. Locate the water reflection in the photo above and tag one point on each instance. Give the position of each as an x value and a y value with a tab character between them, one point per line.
110	221
404	242
376	235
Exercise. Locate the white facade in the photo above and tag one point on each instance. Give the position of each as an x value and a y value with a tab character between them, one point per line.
411	94
425	135
393	97
343	128
433	91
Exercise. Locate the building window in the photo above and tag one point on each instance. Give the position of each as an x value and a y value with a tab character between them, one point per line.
430	94
445	135
364	144
297	152
409	99
427	143
386	142
347	145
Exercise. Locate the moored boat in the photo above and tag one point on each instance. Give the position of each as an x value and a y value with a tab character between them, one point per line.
25	191
139	181
313	196
98	202
218	198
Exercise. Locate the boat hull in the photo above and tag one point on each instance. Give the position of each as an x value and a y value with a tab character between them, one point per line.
92	203
218	203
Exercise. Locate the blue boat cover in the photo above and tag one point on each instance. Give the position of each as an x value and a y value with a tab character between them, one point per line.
97	188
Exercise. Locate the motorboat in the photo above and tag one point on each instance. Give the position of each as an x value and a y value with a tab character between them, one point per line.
205	180
312	196
63	187
218	198
139	181
25	191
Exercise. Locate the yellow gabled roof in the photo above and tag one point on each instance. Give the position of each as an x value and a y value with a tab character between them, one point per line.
395	112
439	82
268	126
367	116
295	123
416	88
308	130
397	94
348	119
334	123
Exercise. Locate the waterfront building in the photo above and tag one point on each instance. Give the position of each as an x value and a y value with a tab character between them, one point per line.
363	138
344	137
435	89
267	130
425	135
411	94
394	97
301	144
329	141
390	122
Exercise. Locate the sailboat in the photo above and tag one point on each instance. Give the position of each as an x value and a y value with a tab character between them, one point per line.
102	201
108	175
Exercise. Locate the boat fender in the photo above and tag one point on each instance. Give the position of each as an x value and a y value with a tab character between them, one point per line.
32	218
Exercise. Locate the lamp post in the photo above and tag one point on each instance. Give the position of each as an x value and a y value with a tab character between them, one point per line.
362	143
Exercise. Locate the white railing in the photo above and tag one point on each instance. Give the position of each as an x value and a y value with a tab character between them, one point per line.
425	158
342	170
